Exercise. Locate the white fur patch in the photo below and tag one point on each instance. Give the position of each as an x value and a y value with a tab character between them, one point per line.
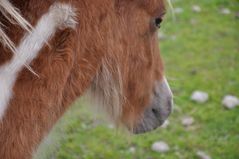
165	93
107	91
58	16
167	87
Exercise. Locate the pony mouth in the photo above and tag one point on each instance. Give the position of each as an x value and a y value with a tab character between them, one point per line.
158	111
151	121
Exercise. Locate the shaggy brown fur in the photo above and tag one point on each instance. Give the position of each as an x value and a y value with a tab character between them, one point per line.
116	34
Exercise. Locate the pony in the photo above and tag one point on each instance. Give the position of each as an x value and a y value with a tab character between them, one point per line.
52	52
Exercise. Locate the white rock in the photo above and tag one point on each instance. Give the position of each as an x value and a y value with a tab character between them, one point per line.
178	10
199	96
111	126
173	37
187	121
132	149
165	124
225	11
202	155
161	35
237	15
196	8
230	102
84	126
193	21
160	146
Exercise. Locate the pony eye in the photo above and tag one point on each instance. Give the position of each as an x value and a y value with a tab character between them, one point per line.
158	22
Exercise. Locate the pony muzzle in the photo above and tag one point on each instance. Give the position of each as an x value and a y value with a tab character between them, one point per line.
159	109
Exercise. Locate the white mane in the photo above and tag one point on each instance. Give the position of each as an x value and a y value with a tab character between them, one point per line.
12	15
59	16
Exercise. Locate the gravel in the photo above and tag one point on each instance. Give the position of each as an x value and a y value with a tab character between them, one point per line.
196	8
178	10
230	102
160	146
203	155
225	11
199	97
187	121
132	149
237	15
161	35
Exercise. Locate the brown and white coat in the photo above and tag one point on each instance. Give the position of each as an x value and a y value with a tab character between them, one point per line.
66	47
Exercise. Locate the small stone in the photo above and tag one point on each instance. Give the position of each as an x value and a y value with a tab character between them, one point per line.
111	126
178	10
83	126
161	35
230	102
165	124
237	15
196	8
132	149
199	97
225	11
160	146
202	155
187	121
193	21
173	37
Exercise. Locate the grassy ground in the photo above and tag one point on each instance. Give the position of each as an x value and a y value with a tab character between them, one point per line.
201	52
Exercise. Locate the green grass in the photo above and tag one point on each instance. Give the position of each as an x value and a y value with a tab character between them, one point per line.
203	56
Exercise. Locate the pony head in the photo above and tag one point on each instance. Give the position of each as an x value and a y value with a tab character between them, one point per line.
118	58
130	84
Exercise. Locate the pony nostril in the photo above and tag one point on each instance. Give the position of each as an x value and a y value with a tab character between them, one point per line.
155	111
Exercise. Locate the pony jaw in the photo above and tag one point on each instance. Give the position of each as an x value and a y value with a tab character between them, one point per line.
107	94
